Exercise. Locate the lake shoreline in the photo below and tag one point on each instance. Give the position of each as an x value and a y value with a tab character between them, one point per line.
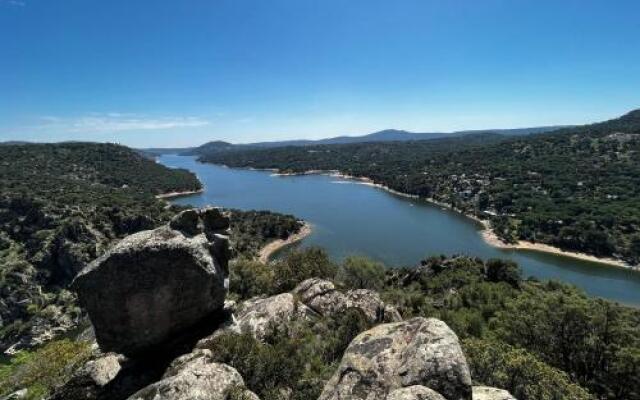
419	228
272	247
487	233
172	195
493	240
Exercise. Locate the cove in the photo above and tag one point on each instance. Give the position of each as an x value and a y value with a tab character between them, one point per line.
349	218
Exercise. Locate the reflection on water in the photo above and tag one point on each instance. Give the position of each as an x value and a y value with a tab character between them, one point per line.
359	219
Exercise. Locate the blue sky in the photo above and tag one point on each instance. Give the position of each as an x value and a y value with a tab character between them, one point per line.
178	73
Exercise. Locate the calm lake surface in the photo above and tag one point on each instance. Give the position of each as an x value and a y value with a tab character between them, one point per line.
350	218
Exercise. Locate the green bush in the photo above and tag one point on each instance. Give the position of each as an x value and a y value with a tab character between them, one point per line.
497	364
300	265
41	370
503	271
583	336
340	331
359	272
249	278
284	363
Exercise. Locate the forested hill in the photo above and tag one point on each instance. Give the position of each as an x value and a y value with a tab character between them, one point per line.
106	165
577	188
63	205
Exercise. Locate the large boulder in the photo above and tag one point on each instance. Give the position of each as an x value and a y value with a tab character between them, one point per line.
257	316
370	303
392	356
491	393
322	297
156	284
196	377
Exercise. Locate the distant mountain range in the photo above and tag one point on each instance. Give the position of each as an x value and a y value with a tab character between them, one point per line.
387	135
13	142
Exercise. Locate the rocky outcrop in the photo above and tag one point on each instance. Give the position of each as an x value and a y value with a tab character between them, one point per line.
322	297
393	356
156	284
51	322
257	316
414	393
371	305
89	381
491	393
196	377
311	297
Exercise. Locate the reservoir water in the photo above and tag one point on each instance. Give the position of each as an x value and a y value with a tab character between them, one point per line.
349	218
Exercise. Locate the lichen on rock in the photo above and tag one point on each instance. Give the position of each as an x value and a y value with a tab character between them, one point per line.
324	298
392	356
195	376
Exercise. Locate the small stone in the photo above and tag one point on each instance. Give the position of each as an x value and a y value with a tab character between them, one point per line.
414	393
104	369
491	393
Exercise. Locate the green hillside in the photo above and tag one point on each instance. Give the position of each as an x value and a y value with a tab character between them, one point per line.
576	188
62	205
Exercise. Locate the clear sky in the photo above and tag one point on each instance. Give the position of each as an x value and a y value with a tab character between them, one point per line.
177	73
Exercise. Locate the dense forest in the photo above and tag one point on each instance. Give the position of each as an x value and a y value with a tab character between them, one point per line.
62	205
575	188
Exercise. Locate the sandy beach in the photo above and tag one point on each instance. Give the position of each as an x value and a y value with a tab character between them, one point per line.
492	239
267	251
178	194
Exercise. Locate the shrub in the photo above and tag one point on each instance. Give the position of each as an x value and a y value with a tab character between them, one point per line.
359	272
340	331
507	271
39	371
300	265
497	364
250	278
580	335
285	363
